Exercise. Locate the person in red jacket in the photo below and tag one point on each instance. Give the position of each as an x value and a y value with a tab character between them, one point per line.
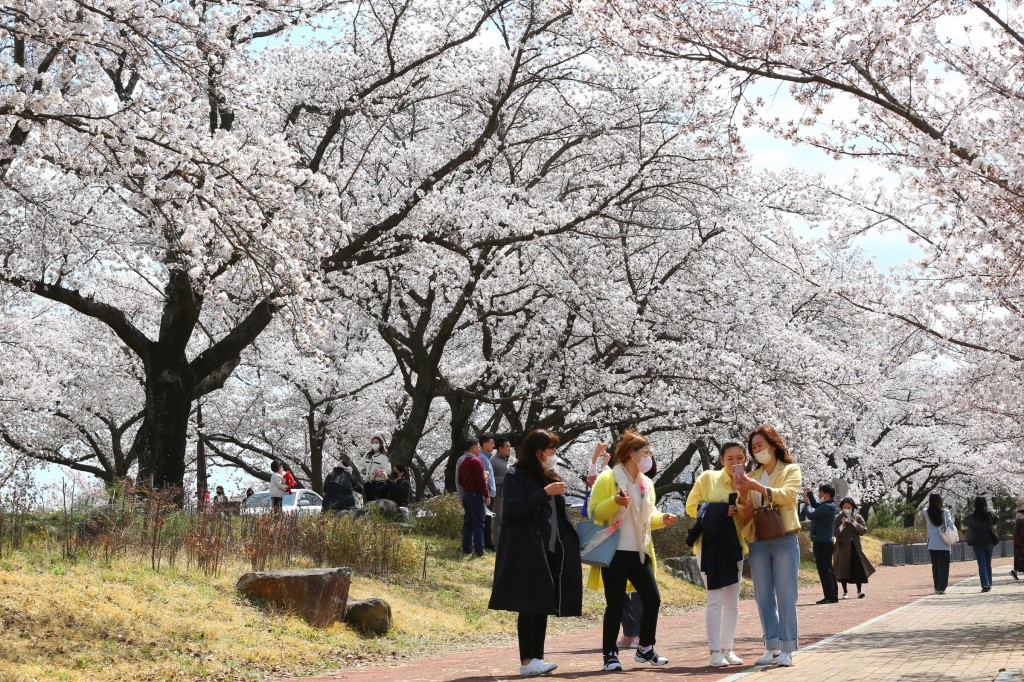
289	480
474	499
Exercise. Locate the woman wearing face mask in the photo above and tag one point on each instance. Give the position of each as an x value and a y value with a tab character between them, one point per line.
774	562
623	499
537	571
720	550
374	460
848	560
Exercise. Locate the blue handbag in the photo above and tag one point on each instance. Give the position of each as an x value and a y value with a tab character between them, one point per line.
602	554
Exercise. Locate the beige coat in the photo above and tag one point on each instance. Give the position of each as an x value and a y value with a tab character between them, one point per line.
847	542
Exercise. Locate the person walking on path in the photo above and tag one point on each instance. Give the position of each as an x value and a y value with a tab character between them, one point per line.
982	537
720	549
537	571
473	485
774	560
1018	542
850	563
499	464
935	517
623	500
822	515
277	487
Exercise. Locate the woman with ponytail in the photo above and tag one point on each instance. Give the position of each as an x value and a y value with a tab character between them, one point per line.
623	500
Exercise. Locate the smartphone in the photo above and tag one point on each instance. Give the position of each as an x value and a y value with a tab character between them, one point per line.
737	471
732	498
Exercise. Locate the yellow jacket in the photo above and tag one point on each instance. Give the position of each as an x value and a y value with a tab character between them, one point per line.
713	486
785	483
602	508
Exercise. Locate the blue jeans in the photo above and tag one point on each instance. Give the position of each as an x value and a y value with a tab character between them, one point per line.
774	565
473	523
984	556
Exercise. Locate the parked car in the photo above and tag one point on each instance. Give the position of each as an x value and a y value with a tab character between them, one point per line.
299	501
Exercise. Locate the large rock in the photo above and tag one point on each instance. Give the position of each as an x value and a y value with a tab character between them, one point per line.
385	509
370	615
685	567
319	595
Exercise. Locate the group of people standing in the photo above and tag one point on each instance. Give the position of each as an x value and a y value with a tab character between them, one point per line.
372	476
742	509
479	482
835	543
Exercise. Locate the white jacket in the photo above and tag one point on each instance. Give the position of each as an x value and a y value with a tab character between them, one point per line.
277	486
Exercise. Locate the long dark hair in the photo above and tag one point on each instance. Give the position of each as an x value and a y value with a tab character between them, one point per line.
934	510
980	506
536	441
774	439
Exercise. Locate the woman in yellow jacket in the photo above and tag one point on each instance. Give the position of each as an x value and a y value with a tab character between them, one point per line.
774	562
623	500
721	576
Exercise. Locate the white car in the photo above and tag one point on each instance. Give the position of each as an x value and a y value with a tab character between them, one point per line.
298	501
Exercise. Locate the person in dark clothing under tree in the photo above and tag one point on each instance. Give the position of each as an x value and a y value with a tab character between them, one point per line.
822	516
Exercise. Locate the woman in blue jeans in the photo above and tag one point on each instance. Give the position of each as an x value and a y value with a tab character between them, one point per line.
774	561
982	538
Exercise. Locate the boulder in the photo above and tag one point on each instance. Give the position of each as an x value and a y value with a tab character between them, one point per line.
384	509
685	567
319	595
370	615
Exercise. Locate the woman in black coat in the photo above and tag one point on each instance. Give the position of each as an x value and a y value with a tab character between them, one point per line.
537	572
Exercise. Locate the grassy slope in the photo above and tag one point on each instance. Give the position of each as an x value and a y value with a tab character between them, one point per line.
89	621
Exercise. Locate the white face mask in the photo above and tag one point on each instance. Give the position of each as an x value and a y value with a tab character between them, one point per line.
375	446
764	456
644	464
848	512
550	462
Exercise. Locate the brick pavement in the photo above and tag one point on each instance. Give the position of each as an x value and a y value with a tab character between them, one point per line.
964	635
681	638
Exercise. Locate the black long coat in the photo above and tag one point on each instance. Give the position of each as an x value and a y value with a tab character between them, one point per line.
523	579
339	487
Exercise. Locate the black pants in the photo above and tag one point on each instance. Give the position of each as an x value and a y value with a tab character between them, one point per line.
626	566
276	505
632	612
940	569
823	560
532	629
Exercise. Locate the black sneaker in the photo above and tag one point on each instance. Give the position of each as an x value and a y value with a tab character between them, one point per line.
611	663
824	601
650	656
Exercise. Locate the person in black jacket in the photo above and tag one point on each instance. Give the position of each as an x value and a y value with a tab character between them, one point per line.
822	516
537	571
398	485
982	537
340	487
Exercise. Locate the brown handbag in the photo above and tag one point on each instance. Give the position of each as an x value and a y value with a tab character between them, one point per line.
768	520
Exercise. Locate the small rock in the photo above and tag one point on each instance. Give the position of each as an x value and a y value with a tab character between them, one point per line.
385	509
370	615
685	567
319	595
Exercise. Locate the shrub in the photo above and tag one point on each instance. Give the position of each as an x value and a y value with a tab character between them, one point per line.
365	545
900	536
671	542
440	516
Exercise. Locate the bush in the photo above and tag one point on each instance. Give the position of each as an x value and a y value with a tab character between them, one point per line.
365	545
671	542
900	536
440	516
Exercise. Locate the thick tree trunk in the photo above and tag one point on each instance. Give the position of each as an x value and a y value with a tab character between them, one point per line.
161	440
407	437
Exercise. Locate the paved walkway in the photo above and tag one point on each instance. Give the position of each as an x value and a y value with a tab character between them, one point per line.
951	637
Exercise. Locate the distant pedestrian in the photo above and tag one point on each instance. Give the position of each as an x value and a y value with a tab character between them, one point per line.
850	563
473	485
537	572
822	515
499	464
774	559
487	446
376	458
398	485
340	488
1018	542
623	499
249	492
935	517
719	550
981	535
277	487
220	498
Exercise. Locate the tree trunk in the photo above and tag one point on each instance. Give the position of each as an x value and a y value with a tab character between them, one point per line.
161	440
462	413
407	437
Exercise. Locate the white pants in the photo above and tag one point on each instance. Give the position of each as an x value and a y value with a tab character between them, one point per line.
722	612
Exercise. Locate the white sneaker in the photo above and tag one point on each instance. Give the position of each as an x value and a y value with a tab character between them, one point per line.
785	660
768	658
718	660
731	658
536	667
